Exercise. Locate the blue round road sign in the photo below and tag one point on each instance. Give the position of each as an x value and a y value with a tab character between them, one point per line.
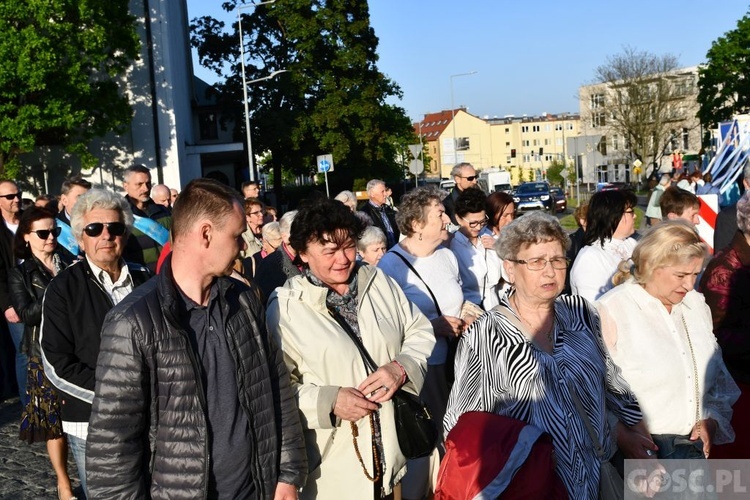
324	165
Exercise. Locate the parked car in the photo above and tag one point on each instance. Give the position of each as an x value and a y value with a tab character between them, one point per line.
533	196
561	202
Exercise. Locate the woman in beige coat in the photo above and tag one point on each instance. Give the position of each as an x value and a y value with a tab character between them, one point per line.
312	317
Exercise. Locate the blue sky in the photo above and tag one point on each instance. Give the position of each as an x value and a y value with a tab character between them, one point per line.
530	56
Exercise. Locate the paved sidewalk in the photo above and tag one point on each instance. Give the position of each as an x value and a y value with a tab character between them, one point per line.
25	470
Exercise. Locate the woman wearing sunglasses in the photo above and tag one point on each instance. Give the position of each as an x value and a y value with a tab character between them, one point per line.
36	243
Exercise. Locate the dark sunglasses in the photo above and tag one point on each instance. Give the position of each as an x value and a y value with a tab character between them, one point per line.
95	228
43	234
11	196
470	178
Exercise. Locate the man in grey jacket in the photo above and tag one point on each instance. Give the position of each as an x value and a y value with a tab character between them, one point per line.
192	396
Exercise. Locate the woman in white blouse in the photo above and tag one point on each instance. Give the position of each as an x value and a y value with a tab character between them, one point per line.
610	221
659	332
500	211
472	255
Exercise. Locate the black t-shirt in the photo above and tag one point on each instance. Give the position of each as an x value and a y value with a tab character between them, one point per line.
230	442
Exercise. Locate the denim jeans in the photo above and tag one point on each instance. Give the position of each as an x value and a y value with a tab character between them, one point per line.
22	361
77	446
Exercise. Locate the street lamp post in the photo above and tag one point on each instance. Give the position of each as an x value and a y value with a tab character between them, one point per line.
453	115
245	83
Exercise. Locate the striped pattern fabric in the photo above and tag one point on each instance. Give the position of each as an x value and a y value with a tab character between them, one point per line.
499	370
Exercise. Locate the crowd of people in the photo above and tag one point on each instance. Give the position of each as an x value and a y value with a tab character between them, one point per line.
204	345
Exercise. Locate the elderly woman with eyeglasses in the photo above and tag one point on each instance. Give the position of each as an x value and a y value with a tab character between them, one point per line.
536	353
472	254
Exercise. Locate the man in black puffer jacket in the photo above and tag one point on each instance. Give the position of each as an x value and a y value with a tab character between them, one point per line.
192	396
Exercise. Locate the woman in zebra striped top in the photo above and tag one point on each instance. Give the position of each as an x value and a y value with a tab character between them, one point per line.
523	358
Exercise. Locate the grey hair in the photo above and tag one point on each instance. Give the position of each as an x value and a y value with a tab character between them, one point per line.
413	207
372	184
370	235
102	199
531	228
746	173
665	178
347	198
743	213
271	231
285	223
456	170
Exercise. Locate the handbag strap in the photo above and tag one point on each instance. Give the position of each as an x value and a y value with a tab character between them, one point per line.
370	365
408	264
586	420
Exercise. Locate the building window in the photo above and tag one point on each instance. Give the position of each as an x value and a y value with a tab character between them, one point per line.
507	160
598	120
597	101
535	128
507	144
559	141
558	126
685	139
546	142
208	126
548	128
569	126
507	130
615	142
526	143
462	144
536	142
526	158
547	157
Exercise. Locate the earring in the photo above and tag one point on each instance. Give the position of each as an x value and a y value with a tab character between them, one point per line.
27	244
420	236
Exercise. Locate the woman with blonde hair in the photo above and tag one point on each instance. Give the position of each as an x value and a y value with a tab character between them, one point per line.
659	332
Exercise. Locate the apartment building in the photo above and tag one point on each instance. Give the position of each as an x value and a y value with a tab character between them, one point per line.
525	145
646	119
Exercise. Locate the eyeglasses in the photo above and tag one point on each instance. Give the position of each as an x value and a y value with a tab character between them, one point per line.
43	234
12	196
630	211
538	264
95	228
256	213
475	223
470	178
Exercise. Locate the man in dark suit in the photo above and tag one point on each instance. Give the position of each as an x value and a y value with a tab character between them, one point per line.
382	215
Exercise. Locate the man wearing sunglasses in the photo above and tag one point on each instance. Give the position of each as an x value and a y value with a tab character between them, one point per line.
188	379
10	209
75	305
152	222
465	177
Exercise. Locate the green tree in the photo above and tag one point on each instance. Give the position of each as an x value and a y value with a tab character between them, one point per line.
333	100
58	63
555	172
724	81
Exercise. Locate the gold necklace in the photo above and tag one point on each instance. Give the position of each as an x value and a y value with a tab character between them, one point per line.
548	334
695	374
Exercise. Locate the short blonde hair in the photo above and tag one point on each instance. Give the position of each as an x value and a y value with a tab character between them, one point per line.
669	243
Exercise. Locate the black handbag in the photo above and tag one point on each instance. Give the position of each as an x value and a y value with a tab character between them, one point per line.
415	429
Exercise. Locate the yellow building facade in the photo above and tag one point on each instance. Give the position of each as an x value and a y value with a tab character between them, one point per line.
525	146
